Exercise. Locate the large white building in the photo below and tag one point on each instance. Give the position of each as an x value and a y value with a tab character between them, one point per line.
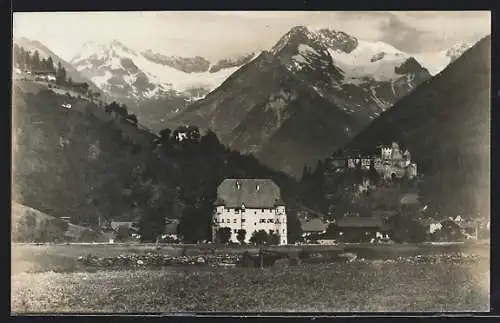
251	205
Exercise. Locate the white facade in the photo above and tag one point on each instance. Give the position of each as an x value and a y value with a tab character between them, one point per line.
272	220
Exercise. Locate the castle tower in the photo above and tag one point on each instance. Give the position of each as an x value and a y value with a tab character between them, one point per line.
396	152
407	158
412	170
386	153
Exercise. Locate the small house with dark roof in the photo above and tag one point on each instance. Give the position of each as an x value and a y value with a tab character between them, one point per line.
251	205
360	229
313	226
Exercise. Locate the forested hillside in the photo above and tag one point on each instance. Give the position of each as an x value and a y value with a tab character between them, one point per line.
90	163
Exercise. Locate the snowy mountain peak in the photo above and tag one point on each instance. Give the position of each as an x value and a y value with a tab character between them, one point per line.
458	49
320	40
435	62
292	39
124	73
298	30
337	40
102	49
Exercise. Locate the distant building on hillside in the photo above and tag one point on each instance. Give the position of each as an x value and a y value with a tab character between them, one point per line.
44	75
251	205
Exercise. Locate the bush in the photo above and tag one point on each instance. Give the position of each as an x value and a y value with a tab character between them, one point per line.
241	236
223	235
260	237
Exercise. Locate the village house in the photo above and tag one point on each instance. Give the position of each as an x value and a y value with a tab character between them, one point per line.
251	205
171	230
44	75
312	226
361	229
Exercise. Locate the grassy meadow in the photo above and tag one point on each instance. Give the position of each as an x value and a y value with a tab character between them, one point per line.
47	278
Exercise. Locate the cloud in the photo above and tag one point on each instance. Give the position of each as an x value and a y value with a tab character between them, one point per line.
401	35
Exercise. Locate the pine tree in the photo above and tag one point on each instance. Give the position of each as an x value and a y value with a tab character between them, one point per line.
17	55
50	64
43	64
36	61
27	60
59	74
63	75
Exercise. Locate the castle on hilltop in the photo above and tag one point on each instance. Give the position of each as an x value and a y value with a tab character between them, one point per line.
390	162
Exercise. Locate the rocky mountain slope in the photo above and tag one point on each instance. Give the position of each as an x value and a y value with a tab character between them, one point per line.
363	78
445	124
307	96
282	111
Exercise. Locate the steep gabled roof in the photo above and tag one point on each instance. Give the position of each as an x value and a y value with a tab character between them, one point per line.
252	193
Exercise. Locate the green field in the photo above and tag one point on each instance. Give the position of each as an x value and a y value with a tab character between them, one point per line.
56	283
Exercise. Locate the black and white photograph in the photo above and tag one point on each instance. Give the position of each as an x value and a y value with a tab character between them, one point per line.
250	162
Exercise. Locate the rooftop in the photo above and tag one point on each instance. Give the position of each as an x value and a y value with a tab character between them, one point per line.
313	225
252	193
116	224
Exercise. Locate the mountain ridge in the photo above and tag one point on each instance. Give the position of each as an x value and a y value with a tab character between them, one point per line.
300	60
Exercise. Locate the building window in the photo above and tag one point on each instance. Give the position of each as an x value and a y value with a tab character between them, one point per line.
235	231
254	212
269	220
262	221
242	220
262	210
234	221
222	221
271	231
283	230
237	211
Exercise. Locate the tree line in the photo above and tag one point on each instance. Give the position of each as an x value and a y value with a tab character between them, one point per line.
28	61
260	237
121	110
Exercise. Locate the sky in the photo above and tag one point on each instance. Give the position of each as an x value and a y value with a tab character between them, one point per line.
218	34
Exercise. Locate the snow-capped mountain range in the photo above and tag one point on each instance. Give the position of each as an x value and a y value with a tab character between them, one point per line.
125	73
308	95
